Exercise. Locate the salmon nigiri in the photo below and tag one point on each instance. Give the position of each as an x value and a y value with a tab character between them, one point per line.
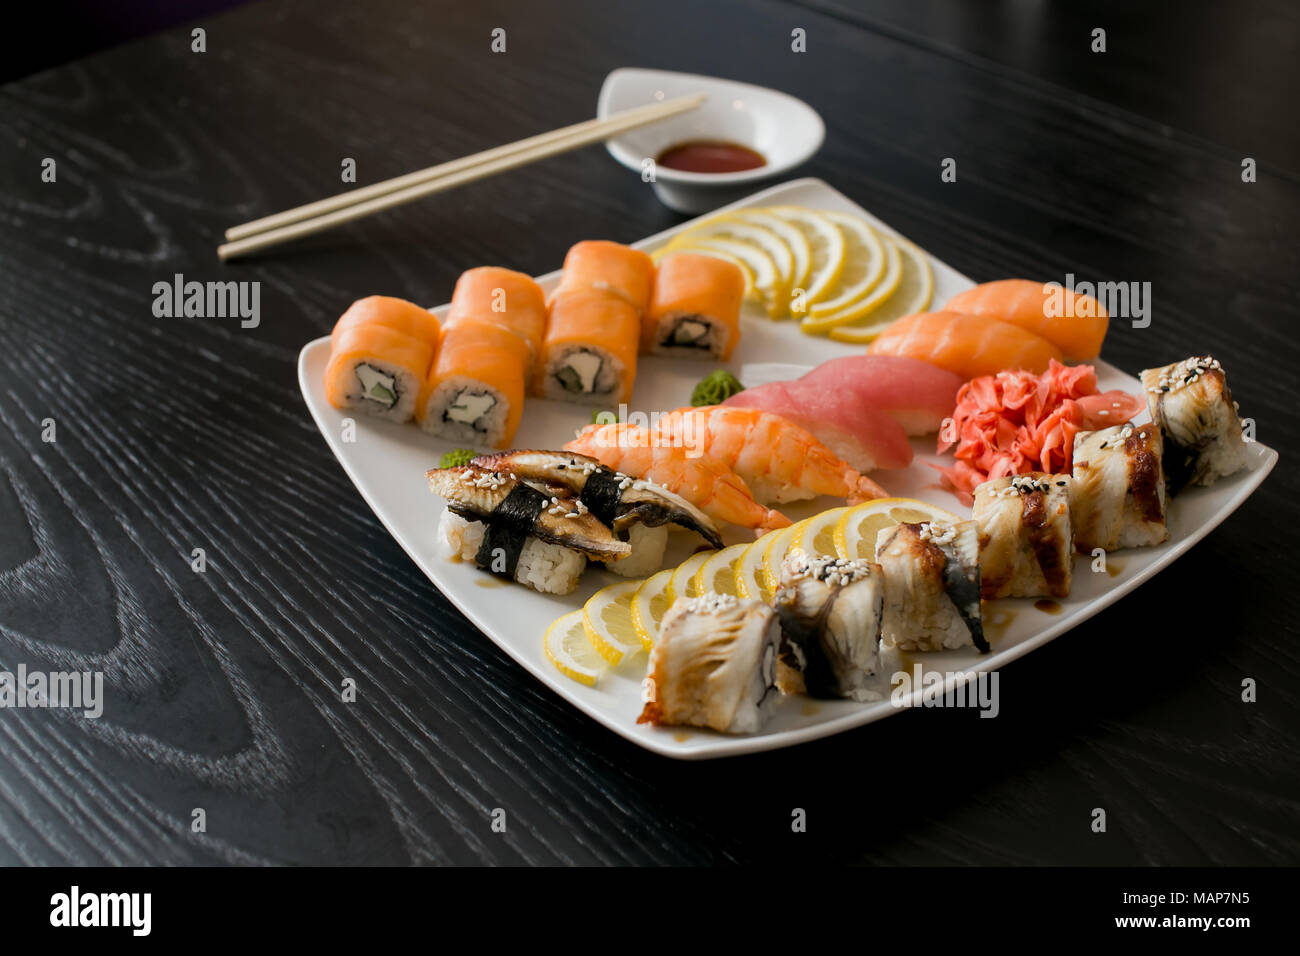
1074	323
970	345
708	484
777	459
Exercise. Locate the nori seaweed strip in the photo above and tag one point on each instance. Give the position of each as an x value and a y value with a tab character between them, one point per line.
819	678
601	495
508	526
964	591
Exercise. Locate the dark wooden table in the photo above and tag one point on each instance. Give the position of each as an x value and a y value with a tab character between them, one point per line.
182	433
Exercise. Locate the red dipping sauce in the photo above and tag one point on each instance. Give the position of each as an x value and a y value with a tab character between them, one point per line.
710	156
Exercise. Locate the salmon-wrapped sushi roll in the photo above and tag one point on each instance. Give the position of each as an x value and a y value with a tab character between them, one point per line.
1026	538
612	267
475	393
377	370
503	297
396	314
1118	493
1191	402
589	354
694	309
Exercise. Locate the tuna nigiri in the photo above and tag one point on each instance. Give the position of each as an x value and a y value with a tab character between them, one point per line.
916	394
777	459
969	345
864	436
1074	323
709	485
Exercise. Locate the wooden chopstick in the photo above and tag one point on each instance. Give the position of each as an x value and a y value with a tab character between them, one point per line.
327	213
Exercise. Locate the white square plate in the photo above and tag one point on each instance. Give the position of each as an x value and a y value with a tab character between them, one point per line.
387	464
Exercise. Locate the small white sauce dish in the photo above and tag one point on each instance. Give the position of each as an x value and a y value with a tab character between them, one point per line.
786	131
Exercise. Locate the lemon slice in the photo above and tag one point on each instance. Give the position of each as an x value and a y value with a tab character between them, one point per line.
767	280
776	552
855	532
817	536
607	619
737	229
828	248
648	606
682	583
888	285
751	579
913	295
865	262
566	646
718	574
795	241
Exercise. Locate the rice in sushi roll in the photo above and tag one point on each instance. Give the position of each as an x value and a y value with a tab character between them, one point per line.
714	665
511	529
1117	497
1025	534
932	586
830	610
1191	402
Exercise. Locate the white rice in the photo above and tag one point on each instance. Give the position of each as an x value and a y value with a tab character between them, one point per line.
488	430
648	545
407	386
549	568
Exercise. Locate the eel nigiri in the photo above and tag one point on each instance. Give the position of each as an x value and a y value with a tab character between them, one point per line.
714	665
1026	535
511	529
695	308
918	395
776	458
969	345
637	510
708	484
1074	323
864	436
503	297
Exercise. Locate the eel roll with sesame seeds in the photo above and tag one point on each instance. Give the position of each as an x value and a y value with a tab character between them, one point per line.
932	586
1026	537
830	610
637	511
511	529
713	665
1117	496
1191	403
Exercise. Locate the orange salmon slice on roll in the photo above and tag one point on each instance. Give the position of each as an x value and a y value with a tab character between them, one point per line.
380	352
610	267
474	394
589	354
501	297
694	308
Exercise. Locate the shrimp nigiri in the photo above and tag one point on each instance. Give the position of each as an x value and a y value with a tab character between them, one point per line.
777	459
708	484
970	345
1074	323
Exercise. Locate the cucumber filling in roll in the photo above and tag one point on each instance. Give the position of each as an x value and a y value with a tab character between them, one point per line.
580	373
687	333
470	408
376	386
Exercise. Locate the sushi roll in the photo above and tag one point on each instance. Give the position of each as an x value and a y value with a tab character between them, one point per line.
609	267
502	297
830	611
1117	498
589	354
474	395
1190	401
377	370
932	586
637	511
396	314
1025	536
694	309
714	665
511	529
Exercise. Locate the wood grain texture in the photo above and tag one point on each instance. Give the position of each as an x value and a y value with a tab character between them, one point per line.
173	434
